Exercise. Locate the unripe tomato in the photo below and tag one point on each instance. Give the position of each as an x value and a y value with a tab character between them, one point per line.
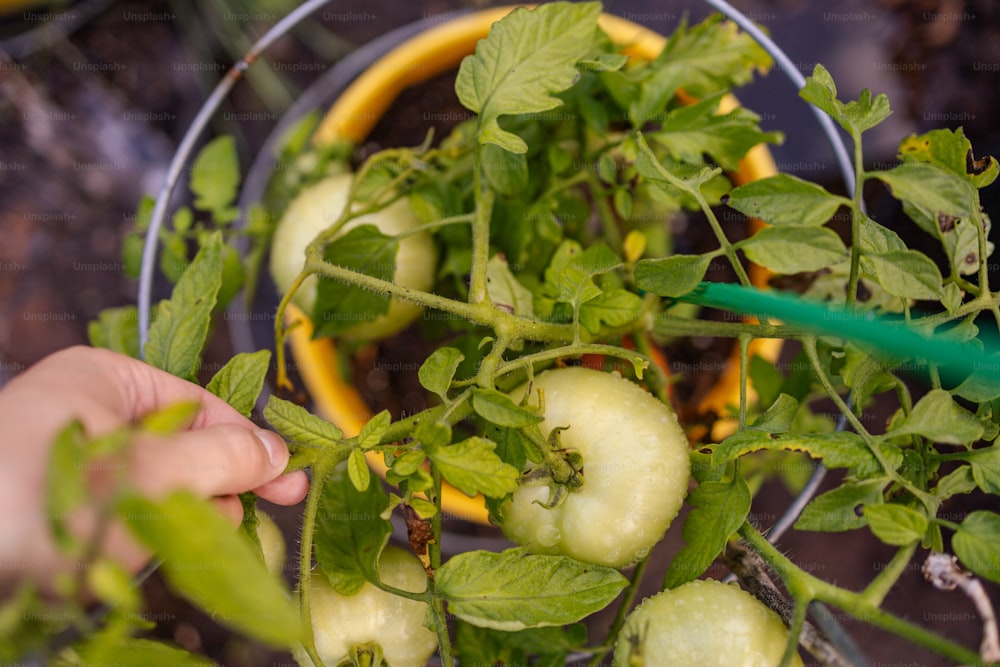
703	622
374	616
315	209
272	543
636	468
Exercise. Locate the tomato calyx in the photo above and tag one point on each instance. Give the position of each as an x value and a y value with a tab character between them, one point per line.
364	655
561	466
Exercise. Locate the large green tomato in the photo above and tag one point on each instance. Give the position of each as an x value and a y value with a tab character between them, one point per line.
315	209
703	622
636	469
372	615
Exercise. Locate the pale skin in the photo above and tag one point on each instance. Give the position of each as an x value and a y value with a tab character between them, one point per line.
219	456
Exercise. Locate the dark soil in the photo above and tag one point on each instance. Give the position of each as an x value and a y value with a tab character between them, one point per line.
93	106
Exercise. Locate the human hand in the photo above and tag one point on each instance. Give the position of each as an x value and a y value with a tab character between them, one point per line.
220	455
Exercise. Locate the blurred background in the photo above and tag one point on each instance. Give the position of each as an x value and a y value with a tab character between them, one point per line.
95	96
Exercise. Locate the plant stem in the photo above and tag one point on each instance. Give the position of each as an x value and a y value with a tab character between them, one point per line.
880	586
856	217
805	588
320	472
480	233
744	347
626	605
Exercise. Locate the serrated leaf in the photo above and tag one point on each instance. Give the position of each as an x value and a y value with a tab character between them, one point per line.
212	565
672	276
977	544
215	177
951	150
786	200
527	57
898	525
499	409
438	370
373	430
905	273
340	306
350	532
473	467
794	249
838	510
299	426
718	509
691	131
959	481
431	433
837	450
177	335
506	172
548	646
875	238
116	329
938	417
855	116
985	465
239	382
614	307
937	193
514	590
357	470
506	291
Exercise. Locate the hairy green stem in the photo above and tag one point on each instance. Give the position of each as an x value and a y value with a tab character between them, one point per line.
631	593
320	472
857	215
879	588
478	292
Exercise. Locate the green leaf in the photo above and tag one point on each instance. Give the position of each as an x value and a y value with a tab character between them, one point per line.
350	532
940	195
65	483
718	509
905	273
473	467
837	450
786	200
985	464
340	306
357	470
898	525
215	178
431	433
794	249
958	481
951	150
977	544
483	646
838	510
133	652
373	430
177	335
506	291
506	172
300	426
855	117
116	329
437	372
514	590
612	307
499	409
875	238
209	563
691	131
170	419
672	276
938	417
778	417
526	58
239	382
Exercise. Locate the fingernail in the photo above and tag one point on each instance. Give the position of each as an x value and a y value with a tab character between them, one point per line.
273	445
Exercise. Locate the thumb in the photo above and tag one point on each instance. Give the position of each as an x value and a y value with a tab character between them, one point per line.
217	460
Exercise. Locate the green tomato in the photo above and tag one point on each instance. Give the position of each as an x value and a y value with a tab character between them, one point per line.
636	469
272	543
703	622
396	624
315	209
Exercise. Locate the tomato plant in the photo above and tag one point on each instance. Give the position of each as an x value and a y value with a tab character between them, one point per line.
541	262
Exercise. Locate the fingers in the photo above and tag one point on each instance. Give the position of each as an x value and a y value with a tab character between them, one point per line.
285	490
218	460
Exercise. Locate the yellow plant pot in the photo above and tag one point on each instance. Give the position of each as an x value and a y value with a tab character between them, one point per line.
435	51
